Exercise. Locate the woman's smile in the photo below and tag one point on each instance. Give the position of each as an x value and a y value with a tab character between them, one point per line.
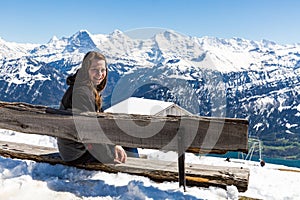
97	71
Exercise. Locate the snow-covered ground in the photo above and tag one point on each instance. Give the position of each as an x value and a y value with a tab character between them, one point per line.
24	179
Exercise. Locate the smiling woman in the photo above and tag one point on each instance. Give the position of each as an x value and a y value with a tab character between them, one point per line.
83	95
87	84
97	71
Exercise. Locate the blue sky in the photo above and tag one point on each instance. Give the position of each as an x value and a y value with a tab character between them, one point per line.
36	21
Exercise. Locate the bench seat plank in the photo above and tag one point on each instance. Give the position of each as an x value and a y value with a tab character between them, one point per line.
157	170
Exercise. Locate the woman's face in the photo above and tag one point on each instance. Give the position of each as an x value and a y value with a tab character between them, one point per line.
97	71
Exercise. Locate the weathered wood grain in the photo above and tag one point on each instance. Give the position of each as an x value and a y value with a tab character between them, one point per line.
210	135
196	174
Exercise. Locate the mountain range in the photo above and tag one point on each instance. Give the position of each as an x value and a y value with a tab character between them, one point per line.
208	76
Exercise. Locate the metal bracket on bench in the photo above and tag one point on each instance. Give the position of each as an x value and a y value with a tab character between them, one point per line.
181	158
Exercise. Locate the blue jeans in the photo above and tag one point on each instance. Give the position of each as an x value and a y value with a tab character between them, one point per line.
131	152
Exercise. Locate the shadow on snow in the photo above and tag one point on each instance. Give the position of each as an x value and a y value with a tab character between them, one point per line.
79	182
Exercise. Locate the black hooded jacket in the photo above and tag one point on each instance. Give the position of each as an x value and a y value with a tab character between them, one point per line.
81	98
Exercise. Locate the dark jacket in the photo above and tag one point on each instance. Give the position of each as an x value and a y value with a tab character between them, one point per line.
82	99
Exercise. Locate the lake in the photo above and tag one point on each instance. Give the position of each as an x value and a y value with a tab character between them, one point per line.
278	161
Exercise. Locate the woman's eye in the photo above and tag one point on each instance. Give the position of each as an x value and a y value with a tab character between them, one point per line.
98	70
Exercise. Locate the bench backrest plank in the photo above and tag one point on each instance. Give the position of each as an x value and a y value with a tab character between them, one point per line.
214	135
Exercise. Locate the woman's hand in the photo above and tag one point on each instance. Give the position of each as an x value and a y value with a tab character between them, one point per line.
120	154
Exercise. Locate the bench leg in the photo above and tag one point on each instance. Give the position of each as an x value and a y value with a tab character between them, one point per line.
181	159
181	171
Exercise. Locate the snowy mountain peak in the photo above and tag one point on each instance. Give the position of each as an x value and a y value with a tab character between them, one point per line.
81	41
116	32
169	35
13	49
80	36
119	36
53	39
268	43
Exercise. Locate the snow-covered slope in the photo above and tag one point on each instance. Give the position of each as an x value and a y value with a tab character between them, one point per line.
257	80
19	179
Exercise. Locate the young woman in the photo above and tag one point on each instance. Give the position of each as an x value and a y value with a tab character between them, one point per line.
83	95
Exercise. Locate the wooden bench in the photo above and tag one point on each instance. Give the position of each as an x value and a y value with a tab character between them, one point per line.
172	133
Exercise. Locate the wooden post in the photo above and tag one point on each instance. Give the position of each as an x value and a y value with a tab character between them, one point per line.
181	158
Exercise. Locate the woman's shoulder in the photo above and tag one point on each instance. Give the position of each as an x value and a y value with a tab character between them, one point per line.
82	90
